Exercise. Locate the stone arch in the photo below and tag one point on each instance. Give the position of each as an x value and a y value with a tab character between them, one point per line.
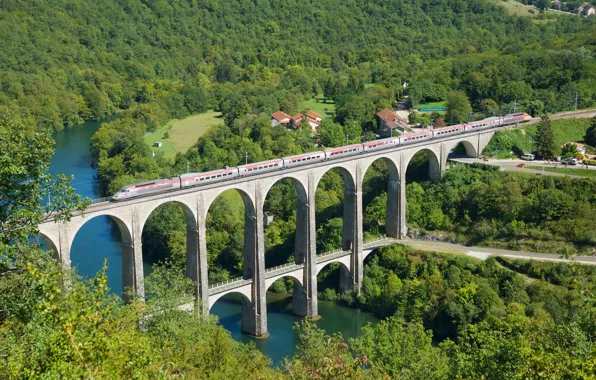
393	195
302	214
341	260
251	225
192	234
346	173
467	142
247	198
434	170
269	282
346	281
245	297
189	213
129	281
350	204
50	244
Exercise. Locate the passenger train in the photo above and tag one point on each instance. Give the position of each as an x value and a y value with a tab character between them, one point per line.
197	179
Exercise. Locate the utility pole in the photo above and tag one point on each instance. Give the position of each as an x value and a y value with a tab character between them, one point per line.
514	105
575	108
245	158
469	113
347	139
187	166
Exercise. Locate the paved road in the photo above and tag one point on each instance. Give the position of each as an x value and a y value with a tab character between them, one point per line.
483	253
512	165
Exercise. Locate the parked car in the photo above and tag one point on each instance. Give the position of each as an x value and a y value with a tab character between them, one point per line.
569	161
527	157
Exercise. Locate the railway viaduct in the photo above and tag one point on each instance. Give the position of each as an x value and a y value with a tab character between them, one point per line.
130	216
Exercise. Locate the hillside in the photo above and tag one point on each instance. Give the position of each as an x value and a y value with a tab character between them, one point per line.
68	61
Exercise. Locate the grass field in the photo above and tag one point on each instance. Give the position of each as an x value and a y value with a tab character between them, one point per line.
433	104
318	105
515	8
182	133
590	173
566	130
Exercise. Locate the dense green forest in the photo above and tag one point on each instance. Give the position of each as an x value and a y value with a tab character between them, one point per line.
447	317
482	205
68	61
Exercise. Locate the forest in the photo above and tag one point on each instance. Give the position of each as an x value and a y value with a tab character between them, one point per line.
149	61
64	62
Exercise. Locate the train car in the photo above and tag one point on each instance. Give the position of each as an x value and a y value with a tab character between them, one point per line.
484	123
147	188
516	118
197	179
343	151
381	144
303	159
448	131
260	167
409	139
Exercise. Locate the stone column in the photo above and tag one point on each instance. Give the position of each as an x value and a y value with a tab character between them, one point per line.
352	232
392	210
403	229
132	262
434	167
62	250
196	263
254	314
304	298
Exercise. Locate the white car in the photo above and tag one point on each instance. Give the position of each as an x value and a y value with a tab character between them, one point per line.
527	157
569	161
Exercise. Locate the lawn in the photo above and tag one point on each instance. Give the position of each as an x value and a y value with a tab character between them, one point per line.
590	173
321	105
182	133
515	8
566	130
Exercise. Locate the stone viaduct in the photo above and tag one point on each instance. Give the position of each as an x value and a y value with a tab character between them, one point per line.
130	216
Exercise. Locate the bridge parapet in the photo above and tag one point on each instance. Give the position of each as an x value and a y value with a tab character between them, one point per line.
229	284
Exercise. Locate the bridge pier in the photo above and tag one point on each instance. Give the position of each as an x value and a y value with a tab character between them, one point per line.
133	284
254	314
352	234
304	297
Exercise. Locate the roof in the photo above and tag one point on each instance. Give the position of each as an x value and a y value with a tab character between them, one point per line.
298	116
279	115
313	114
386	115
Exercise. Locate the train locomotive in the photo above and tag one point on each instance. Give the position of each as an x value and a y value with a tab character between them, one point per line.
198	179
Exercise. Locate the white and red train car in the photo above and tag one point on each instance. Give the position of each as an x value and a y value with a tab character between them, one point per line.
198	179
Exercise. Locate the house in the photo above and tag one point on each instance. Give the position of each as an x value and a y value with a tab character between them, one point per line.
313	119
390	121
586	10
280	118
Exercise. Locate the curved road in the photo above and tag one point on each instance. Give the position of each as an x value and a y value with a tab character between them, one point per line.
483	253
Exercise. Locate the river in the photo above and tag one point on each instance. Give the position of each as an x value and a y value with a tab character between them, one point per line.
99	240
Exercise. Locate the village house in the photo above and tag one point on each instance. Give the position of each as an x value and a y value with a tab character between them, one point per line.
312	118
280	118
390	121
586	10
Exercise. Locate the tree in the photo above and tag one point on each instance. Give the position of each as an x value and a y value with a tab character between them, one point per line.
590	137
544	143
25	183
331	134
458	107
